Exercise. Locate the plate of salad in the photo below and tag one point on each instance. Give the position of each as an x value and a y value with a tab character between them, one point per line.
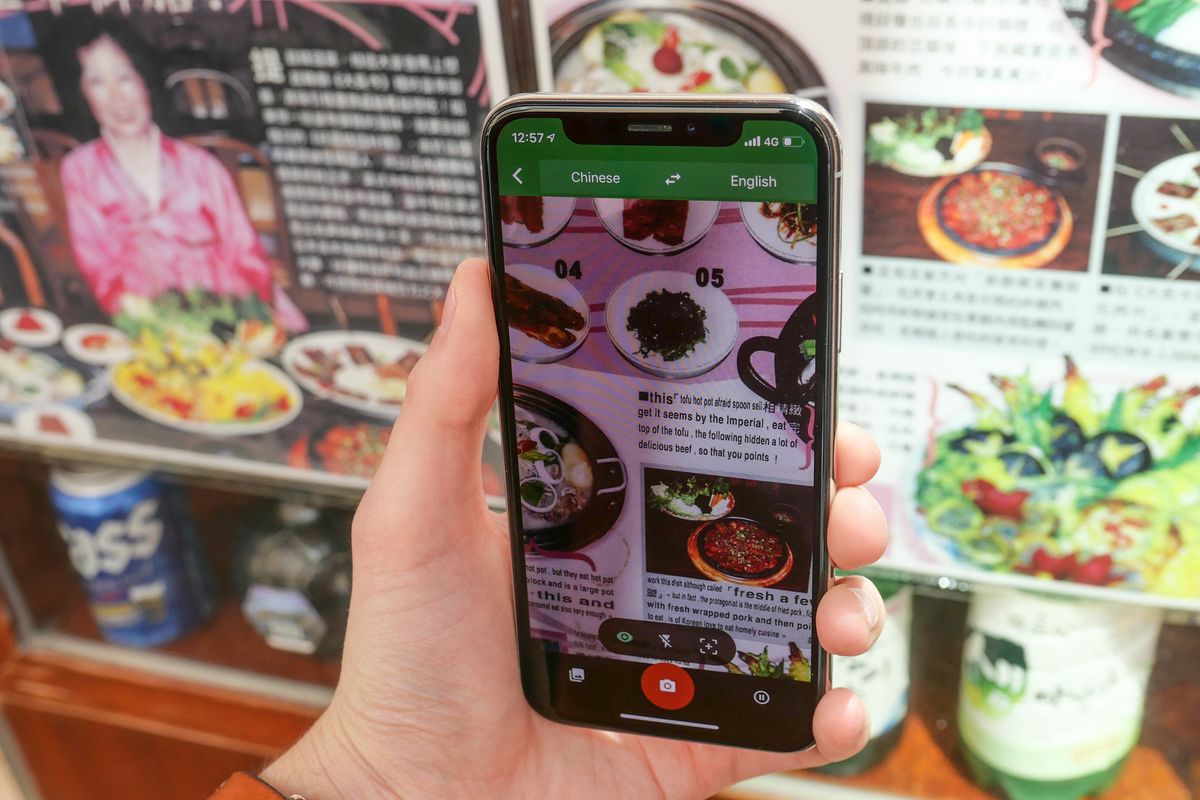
696	498
32	379
931	143
1070	483
1156	41
677	46
246	323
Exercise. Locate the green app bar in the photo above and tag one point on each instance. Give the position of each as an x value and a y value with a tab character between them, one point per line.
663	180
773	161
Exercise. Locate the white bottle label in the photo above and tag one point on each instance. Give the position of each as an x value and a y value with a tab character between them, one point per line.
285	618
1053	689
880	676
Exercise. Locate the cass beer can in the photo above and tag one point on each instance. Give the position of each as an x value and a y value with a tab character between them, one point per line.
133	545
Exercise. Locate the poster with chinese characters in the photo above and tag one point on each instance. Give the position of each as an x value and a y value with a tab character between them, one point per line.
1021	255
227	226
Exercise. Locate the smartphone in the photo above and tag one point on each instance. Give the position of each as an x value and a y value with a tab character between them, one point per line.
665	271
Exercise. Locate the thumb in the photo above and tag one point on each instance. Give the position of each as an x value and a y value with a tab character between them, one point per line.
430	474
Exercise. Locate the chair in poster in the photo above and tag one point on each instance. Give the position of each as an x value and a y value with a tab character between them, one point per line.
206	94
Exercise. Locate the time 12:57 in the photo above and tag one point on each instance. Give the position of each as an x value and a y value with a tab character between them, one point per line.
532	137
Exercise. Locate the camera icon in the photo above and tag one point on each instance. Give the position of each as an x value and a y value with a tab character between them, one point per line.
667	686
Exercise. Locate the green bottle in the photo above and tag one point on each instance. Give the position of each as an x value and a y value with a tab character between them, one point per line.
1052	692
881	678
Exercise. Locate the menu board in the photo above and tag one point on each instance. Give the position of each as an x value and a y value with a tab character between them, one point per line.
1021	255
226	227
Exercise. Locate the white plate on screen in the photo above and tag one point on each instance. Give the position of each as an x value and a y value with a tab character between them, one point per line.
701	214
532	226
528	348
720	323
766	231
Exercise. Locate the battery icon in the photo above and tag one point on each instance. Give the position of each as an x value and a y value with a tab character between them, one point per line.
789	141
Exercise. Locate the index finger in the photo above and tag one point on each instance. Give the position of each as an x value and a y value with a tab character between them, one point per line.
855	456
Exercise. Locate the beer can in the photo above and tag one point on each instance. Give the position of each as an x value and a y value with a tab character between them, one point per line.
133	545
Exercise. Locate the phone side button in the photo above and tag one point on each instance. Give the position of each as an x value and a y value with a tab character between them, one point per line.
838	300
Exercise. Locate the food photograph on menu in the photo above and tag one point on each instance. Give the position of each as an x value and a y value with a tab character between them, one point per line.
1155	41
656	46
734	530
1082	480
1011	189
1154	220
203	252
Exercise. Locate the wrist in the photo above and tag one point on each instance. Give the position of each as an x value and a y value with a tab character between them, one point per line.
325	765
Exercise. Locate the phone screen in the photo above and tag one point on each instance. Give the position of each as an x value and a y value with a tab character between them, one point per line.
665	335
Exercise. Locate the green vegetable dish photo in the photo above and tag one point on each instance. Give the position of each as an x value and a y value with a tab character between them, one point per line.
695	497
1061	484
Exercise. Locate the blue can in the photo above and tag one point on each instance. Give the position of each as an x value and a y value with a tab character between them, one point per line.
133	544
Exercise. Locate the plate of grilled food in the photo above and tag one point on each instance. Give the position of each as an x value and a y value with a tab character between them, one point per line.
657	227
532	221
547	316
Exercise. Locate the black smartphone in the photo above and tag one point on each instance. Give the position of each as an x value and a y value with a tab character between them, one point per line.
665	271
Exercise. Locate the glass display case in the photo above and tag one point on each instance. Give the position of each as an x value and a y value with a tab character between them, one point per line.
231	342
255	689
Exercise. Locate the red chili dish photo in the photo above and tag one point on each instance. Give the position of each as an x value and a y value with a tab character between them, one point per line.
999	212
742	548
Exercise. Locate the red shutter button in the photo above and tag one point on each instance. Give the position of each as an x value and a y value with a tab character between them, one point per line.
668	686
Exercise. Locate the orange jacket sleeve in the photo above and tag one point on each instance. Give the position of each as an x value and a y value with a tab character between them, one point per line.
244	786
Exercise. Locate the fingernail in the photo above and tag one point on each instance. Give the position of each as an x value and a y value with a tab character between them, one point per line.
869	607
864	732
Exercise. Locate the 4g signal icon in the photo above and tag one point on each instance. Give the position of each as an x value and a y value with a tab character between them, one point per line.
773	141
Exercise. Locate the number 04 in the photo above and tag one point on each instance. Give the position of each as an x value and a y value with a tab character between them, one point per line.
562	270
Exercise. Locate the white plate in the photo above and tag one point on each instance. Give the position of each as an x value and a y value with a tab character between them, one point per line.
721	323
527	348
1149	204
766	232
220	429
40	378
701	216
78	425
382	348
970	155
114	351
50	327
556	213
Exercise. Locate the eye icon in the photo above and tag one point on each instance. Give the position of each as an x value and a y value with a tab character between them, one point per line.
624	637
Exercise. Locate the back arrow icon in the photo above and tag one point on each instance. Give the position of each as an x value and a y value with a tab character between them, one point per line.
517	176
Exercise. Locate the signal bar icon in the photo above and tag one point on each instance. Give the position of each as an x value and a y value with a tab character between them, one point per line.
755	142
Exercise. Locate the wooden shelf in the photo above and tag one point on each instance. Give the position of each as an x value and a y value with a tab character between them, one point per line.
228	464
225	640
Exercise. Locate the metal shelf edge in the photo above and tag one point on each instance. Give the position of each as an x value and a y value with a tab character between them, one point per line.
238	680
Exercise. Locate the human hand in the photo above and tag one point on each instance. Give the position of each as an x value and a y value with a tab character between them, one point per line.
430	701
